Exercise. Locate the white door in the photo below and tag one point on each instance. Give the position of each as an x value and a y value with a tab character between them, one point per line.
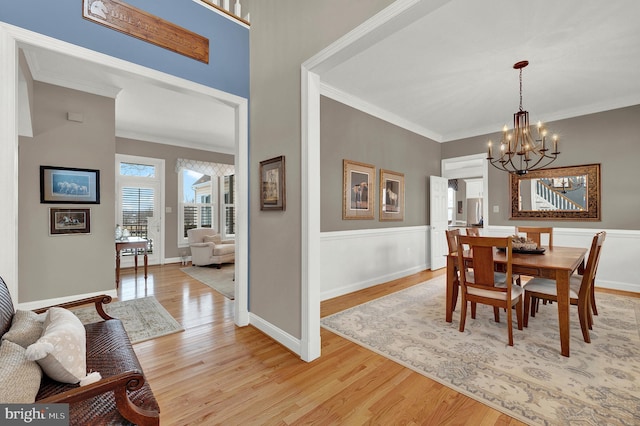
138	203
439	221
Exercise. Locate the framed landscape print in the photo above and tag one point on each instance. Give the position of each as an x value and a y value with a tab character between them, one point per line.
272	184
65	185
391	195
358	193
69	221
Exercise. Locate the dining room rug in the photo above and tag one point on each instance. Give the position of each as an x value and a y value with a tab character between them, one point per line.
221	280
143	319
598	384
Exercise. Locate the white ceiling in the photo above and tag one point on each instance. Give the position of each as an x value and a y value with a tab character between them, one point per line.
447	74
145	109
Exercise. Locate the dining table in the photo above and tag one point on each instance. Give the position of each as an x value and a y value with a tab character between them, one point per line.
556	263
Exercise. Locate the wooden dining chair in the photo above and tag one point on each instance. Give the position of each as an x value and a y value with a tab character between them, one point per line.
474	232
482	286
580	289
535	233
452	243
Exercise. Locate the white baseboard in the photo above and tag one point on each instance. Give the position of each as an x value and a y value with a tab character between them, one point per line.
280	336
350	288
27	306
168	260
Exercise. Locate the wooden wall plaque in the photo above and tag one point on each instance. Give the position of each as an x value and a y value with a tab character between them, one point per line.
140	24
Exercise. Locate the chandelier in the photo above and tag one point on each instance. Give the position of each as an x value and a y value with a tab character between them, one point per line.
519	151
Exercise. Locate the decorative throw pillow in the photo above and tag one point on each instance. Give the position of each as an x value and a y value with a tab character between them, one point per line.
62	351
20	377
216	239
26	328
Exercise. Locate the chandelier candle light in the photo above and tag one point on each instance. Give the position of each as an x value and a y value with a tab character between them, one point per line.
519	151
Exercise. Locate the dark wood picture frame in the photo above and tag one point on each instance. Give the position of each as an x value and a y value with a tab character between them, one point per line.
64	221
68	185
273	190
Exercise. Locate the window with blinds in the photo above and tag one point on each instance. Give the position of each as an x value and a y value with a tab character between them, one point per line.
196	205
229	205
205	201
137	201
137	206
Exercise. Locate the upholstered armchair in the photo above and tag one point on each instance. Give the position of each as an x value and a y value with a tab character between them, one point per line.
208	248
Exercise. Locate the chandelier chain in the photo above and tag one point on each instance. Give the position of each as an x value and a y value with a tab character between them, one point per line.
520	89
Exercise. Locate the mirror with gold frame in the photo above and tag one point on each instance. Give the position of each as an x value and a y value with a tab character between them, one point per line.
560	193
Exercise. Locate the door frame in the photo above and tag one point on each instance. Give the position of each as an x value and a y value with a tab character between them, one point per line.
470	166
157	258
11	39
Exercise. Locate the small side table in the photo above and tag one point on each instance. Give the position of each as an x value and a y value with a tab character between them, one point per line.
135	243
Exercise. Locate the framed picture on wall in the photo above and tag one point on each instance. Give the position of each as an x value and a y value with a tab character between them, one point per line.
358	193
272	184
65	185
69	221
391	195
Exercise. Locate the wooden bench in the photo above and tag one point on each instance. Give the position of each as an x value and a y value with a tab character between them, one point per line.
122	396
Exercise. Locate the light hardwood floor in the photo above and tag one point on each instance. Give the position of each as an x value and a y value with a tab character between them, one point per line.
217	373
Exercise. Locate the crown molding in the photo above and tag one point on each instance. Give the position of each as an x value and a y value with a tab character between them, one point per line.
375	111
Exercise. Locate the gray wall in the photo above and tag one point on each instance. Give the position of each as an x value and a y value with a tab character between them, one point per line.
347	133
282	38
609	138
170	154
58	266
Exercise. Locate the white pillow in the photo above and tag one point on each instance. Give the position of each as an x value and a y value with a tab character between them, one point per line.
62	350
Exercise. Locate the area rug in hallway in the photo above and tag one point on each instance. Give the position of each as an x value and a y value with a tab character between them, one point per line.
143	319
599	384
221	280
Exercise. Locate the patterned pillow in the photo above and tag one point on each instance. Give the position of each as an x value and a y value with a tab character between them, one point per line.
216	239
61	351
19	377
26	328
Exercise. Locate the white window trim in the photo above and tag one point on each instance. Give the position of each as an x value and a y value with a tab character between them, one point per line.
223	208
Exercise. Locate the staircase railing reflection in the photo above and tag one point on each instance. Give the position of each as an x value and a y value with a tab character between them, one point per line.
555	198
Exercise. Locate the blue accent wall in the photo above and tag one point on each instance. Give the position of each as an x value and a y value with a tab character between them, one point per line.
228	67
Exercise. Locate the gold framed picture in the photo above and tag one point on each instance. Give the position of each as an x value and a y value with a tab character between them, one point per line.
391	195
358	194
272	184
